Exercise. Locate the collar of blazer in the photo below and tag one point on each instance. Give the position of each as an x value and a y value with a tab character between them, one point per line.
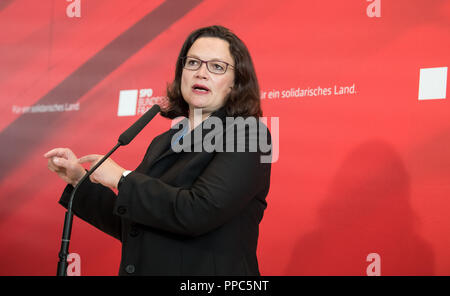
162	145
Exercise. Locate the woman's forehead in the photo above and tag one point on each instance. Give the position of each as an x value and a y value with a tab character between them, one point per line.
211	48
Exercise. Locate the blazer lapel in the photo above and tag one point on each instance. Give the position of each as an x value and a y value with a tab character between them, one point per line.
163	147
159	148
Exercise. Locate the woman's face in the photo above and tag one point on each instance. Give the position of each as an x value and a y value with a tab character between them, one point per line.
201	88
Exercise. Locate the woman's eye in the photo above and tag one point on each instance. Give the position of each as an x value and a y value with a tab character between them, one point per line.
192	62
218	66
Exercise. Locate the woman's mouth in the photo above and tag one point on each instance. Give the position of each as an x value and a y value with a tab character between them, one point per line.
200	89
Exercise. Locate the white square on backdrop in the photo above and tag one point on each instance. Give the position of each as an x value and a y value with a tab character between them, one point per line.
127	102
433	83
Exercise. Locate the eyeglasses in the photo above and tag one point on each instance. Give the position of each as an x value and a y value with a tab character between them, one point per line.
214	66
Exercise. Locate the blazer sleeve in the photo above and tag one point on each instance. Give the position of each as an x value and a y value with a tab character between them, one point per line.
224	188
94	203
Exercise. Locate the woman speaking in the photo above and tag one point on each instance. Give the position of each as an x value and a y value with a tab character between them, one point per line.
185	212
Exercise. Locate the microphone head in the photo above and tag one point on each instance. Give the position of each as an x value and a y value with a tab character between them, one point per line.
127	136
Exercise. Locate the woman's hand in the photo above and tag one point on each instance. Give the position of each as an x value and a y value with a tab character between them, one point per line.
65	163
108	173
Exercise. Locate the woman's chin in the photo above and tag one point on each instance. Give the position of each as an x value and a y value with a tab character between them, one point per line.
198	104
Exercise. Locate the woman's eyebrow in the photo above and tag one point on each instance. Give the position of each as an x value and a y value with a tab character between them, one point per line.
213	59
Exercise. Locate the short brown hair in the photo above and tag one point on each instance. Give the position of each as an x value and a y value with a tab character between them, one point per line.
244	98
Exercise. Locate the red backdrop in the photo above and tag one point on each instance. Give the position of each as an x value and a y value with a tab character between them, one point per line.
361	172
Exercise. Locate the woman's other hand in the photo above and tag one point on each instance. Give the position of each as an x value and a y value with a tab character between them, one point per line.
65	163
108	173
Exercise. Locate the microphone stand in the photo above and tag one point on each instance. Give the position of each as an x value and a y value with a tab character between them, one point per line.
64	251
124	139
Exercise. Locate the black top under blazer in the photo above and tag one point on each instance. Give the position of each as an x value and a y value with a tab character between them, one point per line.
183	213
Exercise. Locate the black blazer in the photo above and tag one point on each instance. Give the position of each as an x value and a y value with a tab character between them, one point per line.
185	213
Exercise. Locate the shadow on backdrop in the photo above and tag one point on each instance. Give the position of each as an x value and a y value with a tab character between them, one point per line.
367	210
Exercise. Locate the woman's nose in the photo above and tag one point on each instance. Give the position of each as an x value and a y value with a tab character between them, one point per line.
202	71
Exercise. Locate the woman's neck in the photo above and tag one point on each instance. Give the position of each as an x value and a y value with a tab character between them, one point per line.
196	117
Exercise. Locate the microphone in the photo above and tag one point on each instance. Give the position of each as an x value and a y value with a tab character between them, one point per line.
124	139
127	136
